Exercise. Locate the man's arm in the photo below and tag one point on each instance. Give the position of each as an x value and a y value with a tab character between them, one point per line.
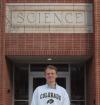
34	98
66	100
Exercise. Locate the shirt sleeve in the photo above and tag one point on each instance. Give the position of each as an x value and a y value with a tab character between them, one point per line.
66	100
35	97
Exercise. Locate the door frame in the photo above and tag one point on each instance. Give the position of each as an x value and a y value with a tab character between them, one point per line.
40	74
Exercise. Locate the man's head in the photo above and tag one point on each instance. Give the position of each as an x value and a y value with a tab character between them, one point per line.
50	74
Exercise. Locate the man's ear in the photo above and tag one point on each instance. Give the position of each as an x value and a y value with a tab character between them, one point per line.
56	75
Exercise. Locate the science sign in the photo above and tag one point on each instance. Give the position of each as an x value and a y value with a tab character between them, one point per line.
49	18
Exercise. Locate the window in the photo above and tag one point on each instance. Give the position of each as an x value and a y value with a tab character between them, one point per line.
77	73
21	85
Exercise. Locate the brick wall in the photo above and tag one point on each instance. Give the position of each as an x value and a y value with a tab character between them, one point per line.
51	44
90	75
0	55
97	49
5	96
51	1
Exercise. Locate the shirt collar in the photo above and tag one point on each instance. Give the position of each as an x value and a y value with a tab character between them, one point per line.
51	87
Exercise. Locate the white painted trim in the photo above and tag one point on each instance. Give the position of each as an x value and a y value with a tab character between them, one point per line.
30	90
41	74
85	90
13	96
28	84
22	100
69	81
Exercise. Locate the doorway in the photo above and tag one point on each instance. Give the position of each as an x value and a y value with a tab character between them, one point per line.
26	77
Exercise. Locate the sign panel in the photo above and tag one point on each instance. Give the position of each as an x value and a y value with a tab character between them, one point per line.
49	18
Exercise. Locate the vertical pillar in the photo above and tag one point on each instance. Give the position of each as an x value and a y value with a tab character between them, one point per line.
97	48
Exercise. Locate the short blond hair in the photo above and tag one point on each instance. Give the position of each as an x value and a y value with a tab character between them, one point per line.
51	67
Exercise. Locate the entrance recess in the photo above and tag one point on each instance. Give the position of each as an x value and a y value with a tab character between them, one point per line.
26	77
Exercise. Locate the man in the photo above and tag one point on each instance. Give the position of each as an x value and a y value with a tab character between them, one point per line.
50	93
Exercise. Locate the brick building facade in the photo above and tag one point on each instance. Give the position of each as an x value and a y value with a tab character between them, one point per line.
85	47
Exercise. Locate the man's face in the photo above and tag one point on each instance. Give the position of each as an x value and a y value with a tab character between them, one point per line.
50	75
